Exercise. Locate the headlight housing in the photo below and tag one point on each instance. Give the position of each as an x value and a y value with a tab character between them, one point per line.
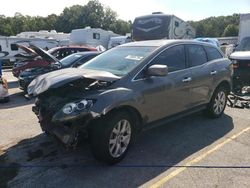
77	106
73	110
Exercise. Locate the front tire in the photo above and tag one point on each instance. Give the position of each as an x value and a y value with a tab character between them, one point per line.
217	103
111	137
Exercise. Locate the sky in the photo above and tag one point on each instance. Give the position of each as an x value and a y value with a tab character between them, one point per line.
129	9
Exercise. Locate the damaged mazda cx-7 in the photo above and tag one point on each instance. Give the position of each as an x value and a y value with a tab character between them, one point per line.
130	88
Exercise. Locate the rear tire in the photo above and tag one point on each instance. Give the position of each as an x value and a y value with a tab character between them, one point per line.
218	102
111	137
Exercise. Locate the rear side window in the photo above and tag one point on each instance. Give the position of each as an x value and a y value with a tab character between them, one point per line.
212	53
196	55
173	57
13	47
96	36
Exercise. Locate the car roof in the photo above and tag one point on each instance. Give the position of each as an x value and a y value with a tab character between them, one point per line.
71	47
164	42
87	53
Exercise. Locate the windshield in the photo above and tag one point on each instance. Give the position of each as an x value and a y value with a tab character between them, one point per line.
119	61
244	45
67	61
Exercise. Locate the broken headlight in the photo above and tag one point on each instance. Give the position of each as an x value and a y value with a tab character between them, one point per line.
73	110
77	106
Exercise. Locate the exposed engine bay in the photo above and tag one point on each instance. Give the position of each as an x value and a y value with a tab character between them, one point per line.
49	104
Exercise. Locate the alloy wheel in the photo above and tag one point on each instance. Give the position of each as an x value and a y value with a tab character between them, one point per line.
120	138
219	102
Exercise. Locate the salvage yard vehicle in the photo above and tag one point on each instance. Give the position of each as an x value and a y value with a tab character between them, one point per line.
130	88
45	59
73	60
241	62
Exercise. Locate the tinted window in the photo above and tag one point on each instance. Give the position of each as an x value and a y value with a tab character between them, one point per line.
173	57
13	47
84	60
196	55
96	36
212	53
67	61
0	48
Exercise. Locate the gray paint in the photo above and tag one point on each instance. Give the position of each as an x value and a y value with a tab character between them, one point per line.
155	97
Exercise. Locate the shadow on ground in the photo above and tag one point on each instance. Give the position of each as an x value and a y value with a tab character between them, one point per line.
43	162
16	99
13	84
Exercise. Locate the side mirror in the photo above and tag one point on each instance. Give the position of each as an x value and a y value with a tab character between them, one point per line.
157	70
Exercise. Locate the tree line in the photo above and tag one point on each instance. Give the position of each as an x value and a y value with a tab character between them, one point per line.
93	14
96	15
221	26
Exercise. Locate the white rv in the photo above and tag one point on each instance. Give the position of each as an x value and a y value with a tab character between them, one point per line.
161	26
45	34
91	37
8	44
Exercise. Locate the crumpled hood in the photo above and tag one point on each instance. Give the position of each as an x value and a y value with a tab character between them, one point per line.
27	50
45	55
240	55
61	77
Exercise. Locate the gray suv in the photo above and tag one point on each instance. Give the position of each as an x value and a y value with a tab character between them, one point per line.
128	89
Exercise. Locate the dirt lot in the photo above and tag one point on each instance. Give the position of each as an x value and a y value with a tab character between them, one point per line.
191	152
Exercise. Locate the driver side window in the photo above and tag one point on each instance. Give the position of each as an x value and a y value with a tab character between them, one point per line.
173	57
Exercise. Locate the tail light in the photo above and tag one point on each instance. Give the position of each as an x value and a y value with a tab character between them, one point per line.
231	68
235	64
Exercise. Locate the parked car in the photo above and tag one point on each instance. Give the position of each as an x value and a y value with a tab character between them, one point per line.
45	59
130	88
213	41
64	51
73	60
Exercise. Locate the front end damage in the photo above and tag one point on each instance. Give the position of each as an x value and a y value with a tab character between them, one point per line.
65	129
67	111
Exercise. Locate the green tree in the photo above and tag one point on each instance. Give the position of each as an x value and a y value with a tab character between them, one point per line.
215	26
96	15
230	30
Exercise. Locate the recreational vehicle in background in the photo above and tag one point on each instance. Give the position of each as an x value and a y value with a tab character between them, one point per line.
161	26
91	37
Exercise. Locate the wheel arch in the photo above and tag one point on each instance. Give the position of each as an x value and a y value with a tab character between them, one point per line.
133	112
225	84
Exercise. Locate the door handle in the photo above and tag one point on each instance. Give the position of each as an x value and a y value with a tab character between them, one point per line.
213	72
188	79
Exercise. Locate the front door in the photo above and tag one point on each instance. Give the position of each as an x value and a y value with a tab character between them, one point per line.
167	95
